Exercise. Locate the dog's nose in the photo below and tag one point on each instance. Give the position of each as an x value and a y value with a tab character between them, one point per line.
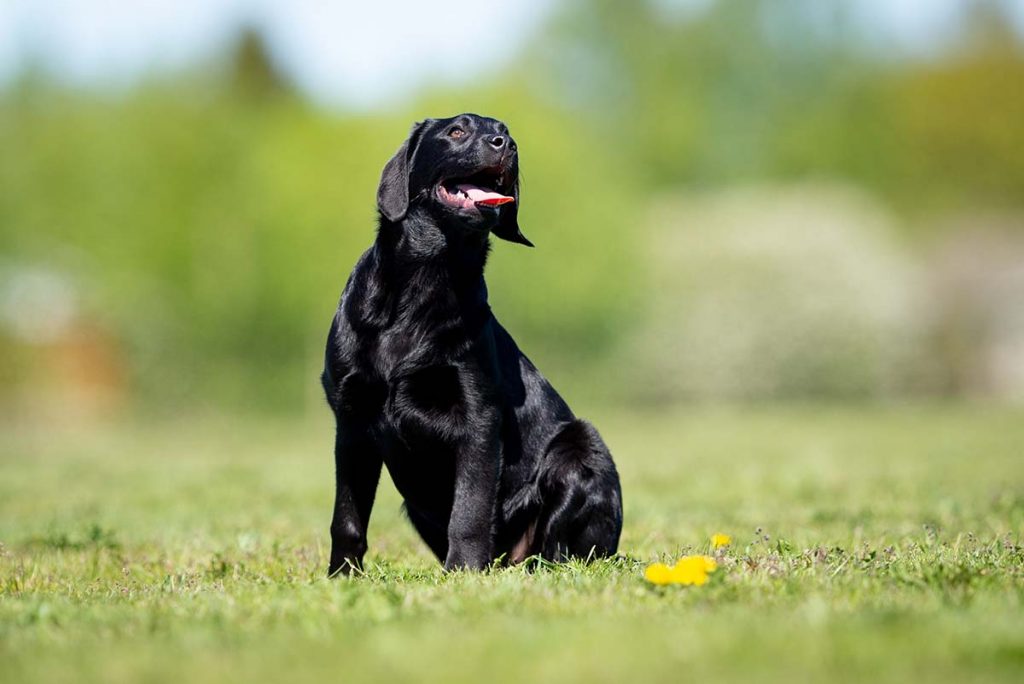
497	141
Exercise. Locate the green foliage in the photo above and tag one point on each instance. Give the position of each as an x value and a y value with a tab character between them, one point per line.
207	220
881	544
779	293
787	89
214	235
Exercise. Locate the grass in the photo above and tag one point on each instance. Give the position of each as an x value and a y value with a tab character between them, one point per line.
867	542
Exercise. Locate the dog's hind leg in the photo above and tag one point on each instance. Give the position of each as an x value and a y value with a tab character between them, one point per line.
581	500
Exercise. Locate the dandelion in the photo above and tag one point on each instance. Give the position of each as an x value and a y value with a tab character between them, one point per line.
719	540
694	569
658	573
688	571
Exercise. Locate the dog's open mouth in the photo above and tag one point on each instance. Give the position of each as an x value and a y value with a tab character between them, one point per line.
481	189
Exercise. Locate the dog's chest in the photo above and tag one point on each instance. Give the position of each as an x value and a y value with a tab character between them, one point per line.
397	348
411	356
401	377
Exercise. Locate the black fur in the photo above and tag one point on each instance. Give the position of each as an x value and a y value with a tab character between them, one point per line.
422	378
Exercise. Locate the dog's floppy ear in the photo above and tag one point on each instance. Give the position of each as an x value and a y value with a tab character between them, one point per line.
393	191
508	221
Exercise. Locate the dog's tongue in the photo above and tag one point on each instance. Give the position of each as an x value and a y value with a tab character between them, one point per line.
486	197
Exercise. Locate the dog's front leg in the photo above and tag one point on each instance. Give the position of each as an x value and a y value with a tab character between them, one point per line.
471	527
357	470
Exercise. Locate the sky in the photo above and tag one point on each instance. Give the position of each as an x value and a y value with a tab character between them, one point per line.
356	53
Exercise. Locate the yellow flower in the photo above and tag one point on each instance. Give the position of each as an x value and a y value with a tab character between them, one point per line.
688	571
658	573
693	569
719	540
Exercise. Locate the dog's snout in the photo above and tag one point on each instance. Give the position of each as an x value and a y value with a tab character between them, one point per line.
497	141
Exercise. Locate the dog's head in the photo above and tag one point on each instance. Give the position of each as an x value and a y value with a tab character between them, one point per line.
462	171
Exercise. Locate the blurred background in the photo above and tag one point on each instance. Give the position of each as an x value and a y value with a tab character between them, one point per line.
732	200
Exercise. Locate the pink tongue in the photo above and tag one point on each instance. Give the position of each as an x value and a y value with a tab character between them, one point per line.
486	197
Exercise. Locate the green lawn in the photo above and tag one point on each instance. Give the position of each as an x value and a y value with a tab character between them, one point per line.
881	544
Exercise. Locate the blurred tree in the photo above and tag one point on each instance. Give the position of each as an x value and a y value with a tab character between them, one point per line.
738	90
959	118
700	97
253	73
212	237
209	218
988	27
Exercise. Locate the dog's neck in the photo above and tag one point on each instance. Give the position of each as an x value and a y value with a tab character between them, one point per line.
419	241
419	259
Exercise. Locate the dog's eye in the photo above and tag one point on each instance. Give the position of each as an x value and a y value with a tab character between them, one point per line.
456	132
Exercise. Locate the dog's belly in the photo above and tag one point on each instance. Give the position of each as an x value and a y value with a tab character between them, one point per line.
423	471
419	427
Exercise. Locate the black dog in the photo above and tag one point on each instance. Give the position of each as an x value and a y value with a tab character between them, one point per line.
420	376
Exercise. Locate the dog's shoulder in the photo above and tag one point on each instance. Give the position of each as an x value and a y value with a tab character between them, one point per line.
364	306
351	318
